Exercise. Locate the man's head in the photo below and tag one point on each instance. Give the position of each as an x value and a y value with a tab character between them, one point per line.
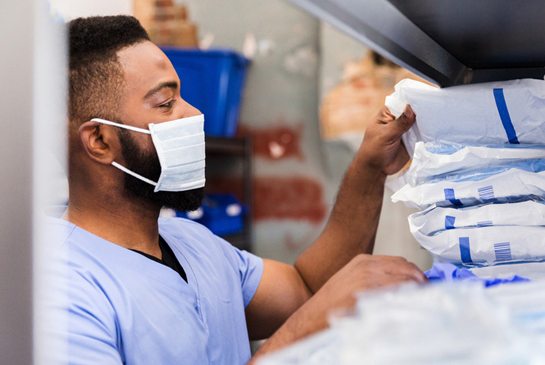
117	74
96	76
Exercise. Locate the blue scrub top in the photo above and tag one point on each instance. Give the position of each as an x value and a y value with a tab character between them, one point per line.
121	307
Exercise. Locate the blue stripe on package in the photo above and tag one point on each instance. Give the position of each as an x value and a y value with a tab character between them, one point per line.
465	252
449	195
449	222
504	115
449	272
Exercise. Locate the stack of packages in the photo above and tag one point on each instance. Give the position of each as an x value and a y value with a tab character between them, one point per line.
478	170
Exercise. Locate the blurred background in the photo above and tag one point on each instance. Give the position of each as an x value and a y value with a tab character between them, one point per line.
305	94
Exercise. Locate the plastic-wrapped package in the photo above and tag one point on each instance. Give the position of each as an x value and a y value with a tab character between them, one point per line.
484	114
526	305
435	219
432	160
485	245
447	323
502	185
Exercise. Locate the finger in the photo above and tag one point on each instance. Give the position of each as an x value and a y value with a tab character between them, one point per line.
391	280
407	269
403	123
385	115
419	276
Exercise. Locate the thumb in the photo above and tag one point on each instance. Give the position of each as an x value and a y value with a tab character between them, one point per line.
403	123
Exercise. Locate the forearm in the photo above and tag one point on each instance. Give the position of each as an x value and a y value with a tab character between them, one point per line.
301	324
351	228
353	223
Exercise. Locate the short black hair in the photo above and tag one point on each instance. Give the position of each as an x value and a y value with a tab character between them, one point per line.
95	75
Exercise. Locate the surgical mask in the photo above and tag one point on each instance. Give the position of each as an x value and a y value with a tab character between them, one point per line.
180	147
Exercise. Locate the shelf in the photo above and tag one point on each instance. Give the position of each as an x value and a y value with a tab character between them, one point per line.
447	42
220	147
225	146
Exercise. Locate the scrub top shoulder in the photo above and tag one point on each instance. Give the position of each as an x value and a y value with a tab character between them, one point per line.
121	307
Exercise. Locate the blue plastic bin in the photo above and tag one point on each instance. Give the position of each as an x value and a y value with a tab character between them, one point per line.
212	81
220	213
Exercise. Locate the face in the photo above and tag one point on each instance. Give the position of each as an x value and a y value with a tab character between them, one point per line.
152	95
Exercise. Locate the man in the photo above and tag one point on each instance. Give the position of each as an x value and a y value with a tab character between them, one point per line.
149	291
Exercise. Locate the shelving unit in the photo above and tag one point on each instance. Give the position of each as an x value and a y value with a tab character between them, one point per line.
447	42
237	148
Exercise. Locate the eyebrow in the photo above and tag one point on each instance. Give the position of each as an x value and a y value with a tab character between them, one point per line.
155	90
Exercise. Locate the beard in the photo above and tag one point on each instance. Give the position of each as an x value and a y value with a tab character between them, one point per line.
147	164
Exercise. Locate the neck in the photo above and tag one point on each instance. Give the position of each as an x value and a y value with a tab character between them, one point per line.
128	223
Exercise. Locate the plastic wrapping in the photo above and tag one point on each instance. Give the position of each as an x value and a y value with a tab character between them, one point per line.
436	219
433	161
508	186
484	114
486	245
447	323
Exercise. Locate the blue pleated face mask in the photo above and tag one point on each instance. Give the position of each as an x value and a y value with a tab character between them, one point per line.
180	147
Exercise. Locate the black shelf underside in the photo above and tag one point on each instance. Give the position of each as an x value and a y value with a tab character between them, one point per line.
448	42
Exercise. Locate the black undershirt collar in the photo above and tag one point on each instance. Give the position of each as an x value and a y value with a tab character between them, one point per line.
169	259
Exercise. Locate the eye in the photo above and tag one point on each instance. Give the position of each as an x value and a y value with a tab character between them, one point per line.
167	105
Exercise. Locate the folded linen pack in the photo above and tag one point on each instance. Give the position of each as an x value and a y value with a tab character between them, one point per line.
485	245
432	160
501	185
485	114
437	219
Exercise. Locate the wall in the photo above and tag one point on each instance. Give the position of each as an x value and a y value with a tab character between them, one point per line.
297	62
338	51
293	194
70	9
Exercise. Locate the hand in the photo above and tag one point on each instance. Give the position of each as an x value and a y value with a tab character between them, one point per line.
382	149
363	272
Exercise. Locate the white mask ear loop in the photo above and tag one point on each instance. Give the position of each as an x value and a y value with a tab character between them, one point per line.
138	176
123	168
130	127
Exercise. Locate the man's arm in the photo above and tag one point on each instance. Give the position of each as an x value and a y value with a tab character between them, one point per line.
348	238
362	273
353	223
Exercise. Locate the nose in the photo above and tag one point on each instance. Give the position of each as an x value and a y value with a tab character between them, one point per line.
190	110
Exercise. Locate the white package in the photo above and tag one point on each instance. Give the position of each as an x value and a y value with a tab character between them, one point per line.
432	160
435	219
485	245
486	114
505	187
445	323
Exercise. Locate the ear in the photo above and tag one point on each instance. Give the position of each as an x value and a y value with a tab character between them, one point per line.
99	141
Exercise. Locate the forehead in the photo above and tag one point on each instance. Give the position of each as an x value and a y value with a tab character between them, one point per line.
144	66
